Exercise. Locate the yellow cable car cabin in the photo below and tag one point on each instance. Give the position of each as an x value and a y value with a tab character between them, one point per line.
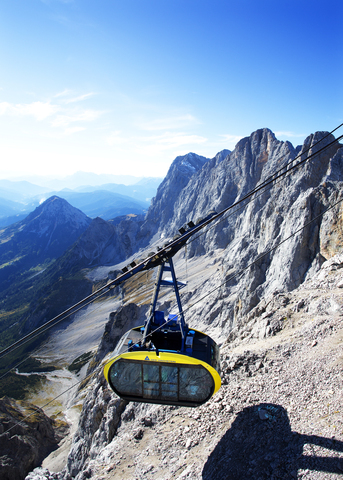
164	361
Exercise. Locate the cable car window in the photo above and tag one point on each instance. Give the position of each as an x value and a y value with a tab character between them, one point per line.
151	382
196	384
169	382
126	377
161	382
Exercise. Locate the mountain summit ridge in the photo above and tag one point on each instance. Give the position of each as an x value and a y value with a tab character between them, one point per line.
179	175
57	210
43	235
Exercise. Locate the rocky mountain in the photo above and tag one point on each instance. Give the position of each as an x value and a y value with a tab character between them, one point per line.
264	281
253	230
32	286
33	435
168	212
42	236
103	243
263	317
277	415
162	206
43	258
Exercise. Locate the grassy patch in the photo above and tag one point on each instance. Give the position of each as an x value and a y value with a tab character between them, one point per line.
18	311
79	362
12	261
16	386
34	365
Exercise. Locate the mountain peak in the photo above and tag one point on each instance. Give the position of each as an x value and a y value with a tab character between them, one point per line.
59	210
187	164
179	174
43	235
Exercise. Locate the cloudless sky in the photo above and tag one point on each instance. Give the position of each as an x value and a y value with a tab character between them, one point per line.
124	86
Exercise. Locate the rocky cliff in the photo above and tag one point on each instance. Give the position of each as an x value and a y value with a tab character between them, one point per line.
254	231
265	283
180	174
277	415
32	436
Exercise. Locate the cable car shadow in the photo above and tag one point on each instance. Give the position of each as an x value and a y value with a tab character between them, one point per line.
261	445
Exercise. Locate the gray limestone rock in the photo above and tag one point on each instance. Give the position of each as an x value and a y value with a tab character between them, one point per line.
27	435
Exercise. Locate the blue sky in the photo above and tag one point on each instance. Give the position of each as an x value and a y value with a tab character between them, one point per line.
123	87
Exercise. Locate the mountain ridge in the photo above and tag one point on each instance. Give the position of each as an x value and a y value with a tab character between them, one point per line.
28	252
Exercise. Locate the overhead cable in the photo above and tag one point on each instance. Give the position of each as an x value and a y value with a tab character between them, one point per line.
171	248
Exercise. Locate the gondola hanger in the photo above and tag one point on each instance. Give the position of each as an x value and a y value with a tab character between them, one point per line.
165	361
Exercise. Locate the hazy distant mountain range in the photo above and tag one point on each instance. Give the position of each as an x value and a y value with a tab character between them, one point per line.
78	179
109	200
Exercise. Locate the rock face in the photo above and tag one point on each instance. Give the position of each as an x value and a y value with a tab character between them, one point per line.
277	414
23	445
101	413
162	208
253	234
104	243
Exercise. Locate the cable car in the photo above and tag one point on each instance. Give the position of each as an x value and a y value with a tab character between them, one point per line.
164	361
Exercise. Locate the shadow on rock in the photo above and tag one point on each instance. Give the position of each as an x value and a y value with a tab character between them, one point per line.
260	445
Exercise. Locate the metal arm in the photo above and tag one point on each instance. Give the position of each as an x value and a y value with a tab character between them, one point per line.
160	282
